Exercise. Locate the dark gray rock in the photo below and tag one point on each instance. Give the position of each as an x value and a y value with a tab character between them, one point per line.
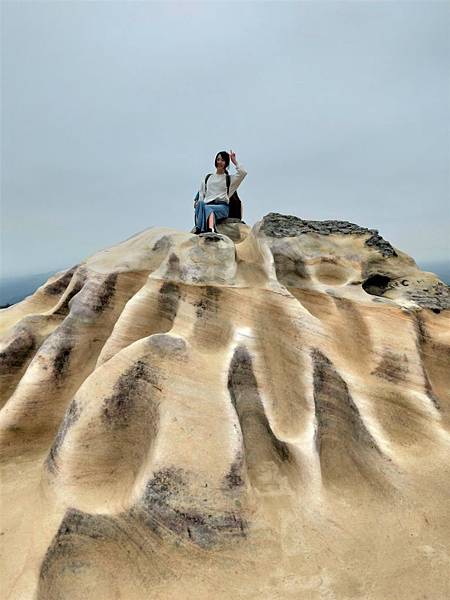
279	226
435	297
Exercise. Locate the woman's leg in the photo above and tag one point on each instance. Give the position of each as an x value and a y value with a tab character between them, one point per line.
200	216
218	212
205	216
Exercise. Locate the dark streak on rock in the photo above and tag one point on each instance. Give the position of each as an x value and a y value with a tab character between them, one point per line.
168	300
351	308
164	484
77	527
161	509
286	266
392	367
244	394
168	346
233	478
173	264
334	404
70	418
80	539
421	341
118	408
61	361
105	293
80	278
18	351
163	244
57	287
209	302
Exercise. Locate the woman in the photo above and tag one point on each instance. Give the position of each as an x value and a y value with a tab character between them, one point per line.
213	202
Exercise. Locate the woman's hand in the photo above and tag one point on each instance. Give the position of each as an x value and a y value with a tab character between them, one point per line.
233	157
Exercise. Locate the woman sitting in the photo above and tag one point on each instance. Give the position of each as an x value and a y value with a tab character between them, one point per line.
213	195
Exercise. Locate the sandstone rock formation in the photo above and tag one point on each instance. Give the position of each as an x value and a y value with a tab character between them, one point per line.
262	413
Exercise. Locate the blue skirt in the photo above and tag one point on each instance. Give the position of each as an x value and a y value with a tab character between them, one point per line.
202	212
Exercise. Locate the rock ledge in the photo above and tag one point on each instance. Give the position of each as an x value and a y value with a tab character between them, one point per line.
278	225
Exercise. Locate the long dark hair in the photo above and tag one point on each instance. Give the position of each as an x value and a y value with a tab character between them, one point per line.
226	158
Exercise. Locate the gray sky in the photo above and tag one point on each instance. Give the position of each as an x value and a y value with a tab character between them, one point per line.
112	112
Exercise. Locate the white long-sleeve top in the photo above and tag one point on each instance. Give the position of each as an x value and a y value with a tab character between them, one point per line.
216	188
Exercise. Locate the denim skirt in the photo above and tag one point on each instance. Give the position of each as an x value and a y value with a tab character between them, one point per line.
202	212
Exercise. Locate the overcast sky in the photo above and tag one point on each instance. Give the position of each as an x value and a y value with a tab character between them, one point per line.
112	113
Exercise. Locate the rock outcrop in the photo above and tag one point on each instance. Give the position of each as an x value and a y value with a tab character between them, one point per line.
259	413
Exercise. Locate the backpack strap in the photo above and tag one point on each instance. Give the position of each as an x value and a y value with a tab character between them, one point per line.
228	182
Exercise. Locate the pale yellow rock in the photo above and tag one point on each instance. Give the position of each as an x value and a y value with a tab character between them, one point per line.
262	413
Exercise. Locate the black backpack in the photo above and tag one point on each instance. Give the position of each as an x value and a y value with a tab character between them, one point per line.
235	205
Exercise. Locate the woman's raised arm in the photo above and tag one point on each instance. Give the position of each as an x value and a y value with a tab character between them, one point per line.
236	179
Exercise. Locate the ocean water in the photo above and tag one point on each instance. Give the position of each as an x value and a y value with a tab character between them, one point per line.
15	289
441	268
